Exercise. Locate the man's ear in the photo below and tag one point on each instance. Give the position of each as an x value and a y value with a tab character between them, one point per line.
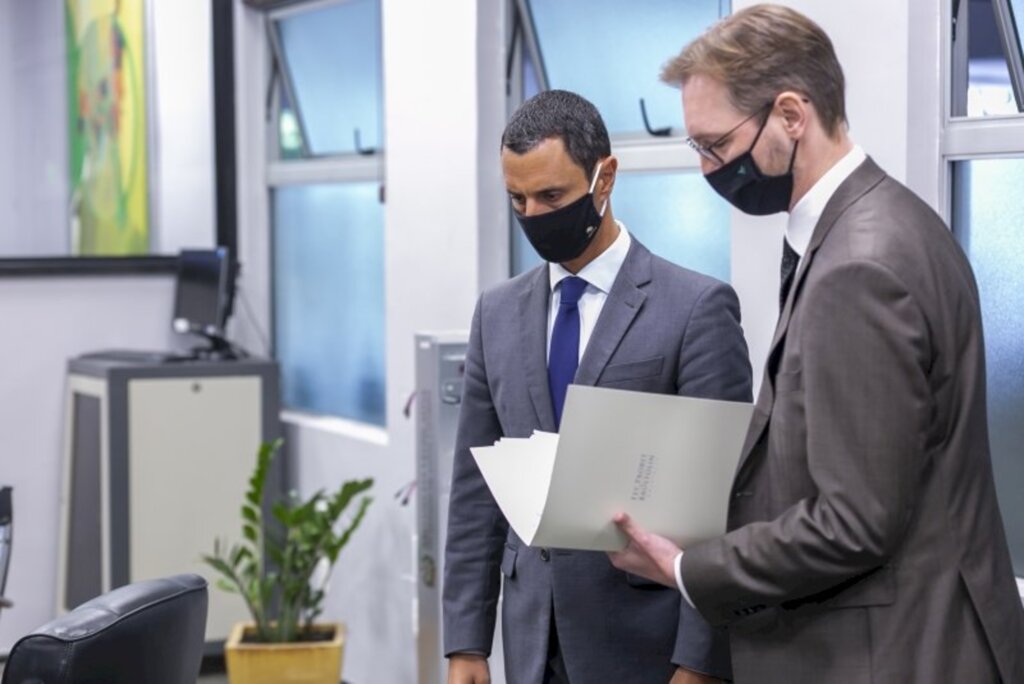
606	178
796	111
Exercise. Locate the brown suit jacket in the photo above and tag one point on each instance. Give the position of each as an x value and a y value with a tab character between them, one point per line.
865	542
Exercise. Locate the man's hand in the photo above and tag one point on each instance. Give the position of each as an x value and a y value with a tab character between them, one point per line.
683	676
468	669
647	555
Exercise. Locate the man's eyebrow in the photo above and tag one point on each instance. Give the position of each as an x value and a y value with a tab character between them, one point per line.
705	138
541	191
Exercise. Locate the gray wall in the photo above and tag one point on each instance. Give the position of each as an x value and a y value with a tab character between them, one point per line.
33	171
5	112
47	320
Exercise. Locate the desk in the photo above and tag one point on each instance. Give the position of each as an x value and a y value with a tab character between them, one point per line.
156	461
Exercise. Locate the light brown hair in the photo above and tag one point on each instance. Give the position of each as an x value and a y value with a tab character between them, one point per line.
761	52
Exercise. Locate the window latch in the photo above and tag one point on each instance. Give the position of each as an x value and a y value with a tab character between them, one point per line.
365	151
656	132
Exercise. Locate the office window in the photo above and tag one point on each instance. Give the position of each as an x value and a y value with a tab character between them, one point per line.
676	215
328	217
611	52
329	298
988	216
331	66
988	71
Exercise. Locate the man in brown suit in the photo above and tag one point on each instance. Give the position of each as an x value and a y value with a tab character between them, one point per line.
864	543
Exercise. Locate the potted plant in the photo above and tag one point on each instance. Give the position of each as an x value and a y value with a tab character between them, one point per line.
273	570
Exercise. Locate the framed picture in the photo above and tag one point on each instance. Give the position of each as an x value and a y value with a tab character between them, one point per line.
107	117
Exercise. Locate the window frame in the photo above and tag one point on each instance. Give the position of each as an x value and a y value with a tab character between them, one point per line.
309	169
963	138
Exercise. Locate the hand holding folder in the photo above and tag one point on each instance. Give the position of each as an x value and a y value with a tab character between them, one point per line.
667	461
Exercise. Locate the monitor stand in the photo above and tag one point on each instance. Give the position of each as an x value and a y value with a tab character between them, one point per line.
217	349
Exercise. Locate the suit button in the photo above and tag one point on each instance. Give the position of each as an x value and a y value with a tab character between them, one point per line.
740	495
545	555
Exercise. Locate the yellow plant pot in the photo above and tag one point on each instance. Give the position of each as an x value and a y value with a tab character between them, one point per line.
301	662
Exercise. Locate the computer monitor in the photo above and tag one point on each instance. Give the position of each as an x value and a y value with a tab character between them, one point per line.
205	292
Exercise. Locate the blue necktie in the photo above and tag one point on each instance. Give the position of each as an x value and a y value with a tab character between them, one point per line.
565	343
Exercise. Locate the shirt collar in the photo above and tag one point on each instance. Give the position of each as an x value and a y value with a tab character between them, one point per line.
602	271
809	209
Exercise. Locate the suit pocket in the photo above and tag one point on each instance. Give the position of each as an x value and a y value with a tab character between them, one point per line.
508	562
633	370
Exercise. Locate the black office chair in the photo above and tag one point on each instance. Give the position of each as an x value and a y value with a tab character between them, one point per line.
149	632
6	539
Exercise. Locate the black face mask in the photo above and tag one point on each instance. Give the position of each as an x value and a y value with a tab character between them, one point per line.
564	234
743	185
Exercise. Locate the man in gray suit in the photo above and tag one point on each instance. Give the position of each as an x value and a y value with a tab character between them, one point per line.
604	311
865	543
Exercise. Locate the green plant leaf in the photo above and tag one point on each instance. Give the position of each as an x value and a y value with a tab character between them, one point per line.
225	585
249	513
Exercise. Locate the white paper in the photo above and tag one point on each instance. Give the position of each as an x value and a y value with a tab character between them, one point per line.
667	461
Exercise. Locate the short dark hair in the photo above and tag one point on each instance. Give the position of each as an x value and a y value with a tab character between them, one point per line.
564	115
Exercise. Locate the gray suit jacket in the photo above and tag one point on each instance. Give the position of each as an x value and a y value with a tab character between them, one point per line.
866	544
663	329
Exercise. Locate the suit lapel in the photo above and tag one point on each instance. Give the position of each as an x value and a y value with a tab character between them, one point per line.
534	300
863	179
623	304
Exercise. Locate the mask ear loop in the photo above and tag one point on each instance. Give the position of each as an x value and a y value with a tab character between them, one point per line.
796	143
761	129
792	158
593	184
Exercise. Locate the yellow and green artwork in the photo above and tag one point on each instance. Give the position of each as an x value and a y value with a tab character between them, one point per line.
107	108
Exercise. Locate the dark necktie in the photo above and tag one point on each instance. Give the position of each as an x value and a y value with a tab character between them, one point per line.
565	343
789	261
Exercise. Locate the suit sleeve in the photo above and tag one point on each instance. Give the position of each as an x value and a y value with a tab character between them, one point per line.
713	360
864	354
713	364
476	527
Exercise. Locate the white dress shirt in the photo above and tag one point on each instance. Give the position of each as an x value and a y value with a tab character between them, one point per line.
599	274
799	229
809	209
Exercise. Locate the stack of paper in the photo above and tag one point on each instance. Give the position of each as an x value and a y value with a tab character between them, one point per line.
667	461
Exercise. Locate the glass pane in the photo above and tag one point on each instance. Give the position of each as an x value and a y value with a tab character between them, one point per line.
333	55
988	218
989	92
329	299
530	85
611	52
676	215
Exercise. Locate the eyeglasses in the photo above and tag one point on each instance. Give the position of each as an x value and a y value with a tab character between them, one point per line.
708	151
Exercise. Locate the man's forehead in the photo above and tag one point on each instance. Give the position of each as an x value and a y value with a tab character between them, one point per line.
548	163
706	106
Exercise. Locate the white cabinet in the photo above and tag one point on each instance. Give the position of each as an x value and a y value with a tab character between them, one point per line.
157	461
